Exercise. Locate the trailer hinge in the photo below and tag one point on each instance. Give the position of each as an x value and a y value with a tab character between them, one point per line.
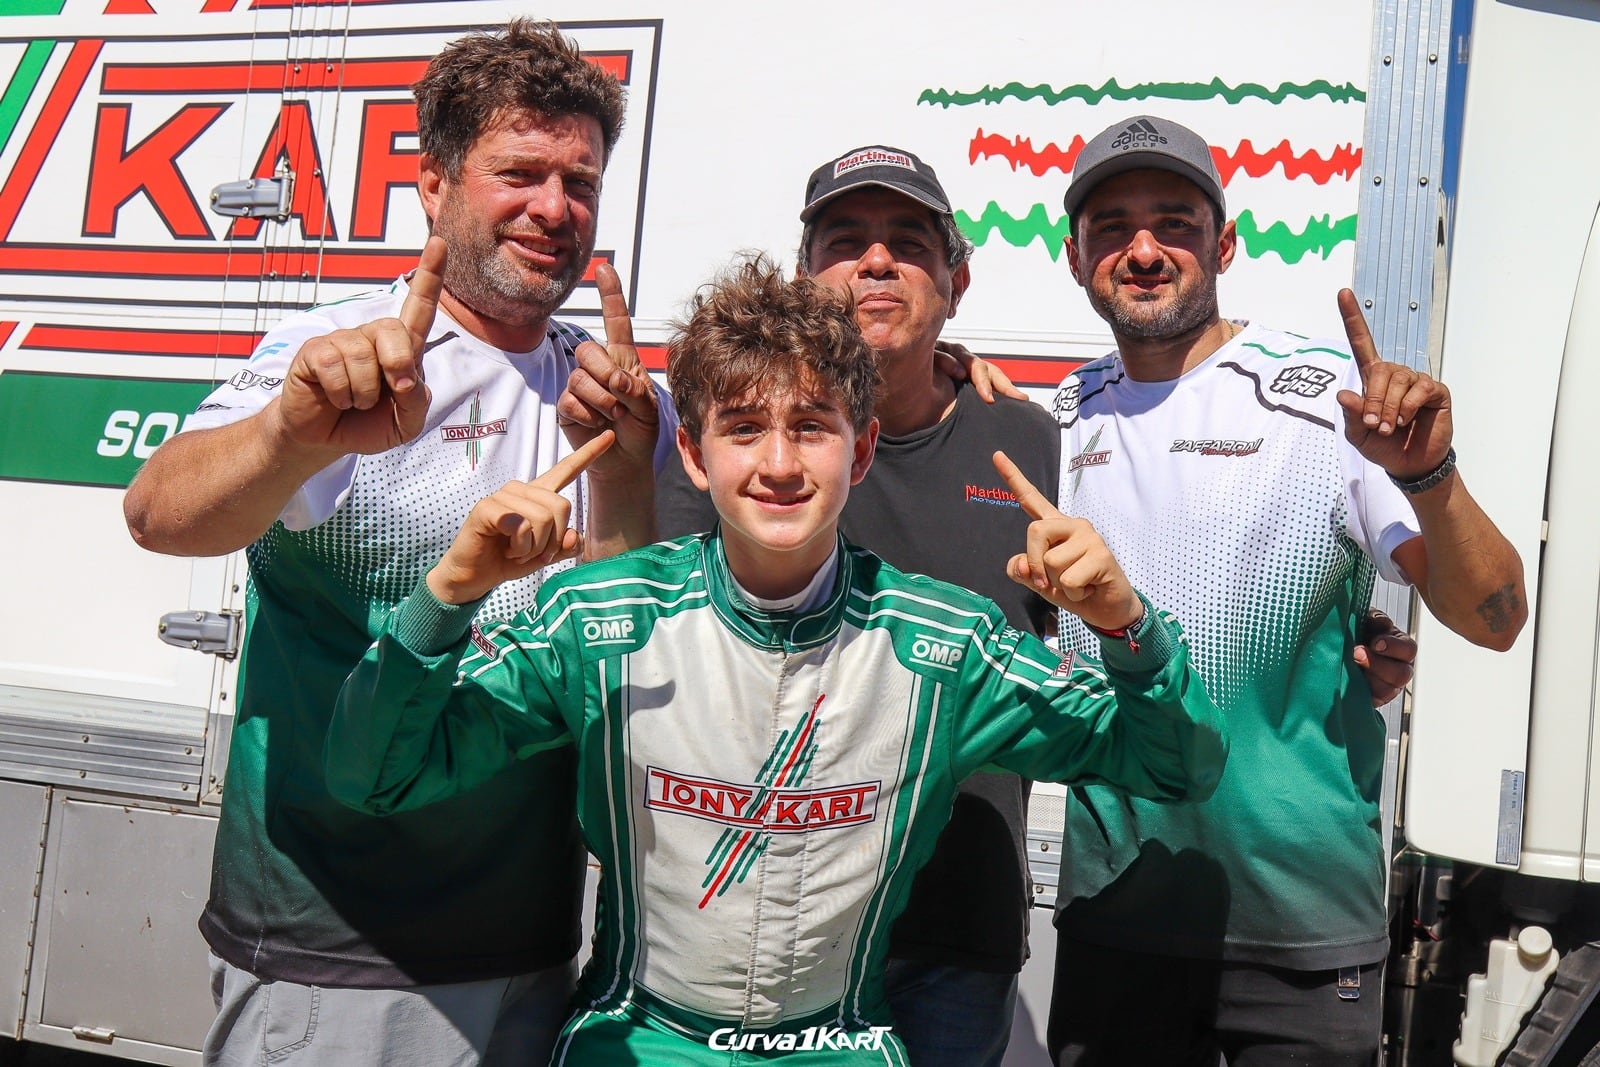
99	1034
257	198
216	632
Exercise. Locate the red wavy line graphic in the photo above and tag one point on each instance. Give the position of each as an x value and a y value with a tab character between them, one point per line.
1342	162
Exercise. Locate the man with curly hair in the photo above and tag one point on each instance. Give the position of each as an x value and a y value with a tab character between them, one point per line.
445	936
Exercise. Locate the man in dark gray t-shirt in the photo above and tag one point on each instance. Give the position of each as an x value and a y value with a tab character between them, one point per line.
878	223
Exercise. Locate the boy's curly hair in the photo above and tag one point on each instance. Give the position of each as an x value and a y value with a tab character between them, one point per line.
751	331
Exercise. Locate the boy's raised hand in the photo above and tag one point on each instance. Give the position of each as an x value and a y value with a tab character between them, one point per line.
514	532
1066	562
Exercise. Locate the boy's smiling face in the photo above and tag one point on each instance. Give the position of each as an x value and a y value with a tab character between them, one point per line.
779	466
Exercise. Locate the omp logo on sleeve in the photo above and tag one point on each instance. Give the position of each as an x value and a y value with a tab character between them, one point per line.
1303	380
937	652
607	630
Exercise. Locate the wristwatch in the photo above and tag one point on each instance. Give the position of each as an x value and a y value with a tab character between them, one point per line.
1431	479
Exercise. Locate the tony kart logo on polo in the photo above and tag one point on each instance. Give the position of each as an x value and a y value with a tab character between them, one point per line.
474	431
1091	456
937	652
1089	459
810	1038
873	157
1137	135
1303	380
755	807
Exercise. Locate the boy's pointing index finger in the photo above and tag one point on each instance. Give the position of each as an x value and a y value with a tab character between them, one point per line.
569	467
1035	503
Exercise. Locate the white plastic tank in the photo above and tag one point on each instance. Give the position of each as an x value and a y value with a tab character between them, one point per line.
1498	1001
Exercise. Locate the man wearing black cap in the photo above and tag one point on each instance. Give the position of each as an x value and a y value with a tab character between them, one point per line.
1254	482
878	224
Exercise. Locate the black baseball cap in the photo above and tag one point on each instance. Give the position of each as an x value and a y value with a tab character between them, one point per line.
1139	142
890	168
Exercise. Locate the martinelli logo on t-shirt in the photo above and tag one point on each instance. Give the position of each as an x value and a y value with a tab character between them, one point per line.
985	494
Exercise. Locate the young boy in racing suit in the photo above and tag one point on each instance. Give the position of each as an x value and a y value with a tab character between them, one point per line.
770	723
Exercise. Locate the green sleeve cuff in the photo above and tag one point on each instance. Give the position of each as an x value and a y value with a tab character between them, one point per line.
426	626
1157	644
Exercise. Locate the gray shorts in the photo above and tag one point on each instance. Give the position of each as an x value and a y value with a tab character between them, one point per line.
498	1022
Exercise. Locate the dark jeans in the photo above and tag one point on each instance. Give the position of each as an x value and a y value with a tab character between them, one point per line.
951	1016
1111	1007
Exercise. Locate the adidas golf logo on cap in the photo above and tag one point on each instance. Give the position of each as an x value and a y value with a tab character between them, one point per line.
1144	141
1139	134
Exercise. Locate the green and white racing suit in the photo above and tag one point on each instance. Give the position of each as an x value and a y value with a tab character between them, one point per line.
758	787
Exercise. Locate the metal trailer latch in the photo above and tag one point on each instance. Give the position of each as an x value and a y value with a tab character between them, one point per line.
257	198
216	632
102	1035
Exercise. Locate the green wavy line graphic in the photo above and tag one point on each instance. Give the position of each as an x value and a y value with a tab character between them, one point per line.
1320	235
1036	224
1215	89
21	86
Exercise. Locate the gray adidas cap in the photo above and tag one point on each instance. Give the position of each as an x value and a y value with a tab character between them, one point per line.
890	168
1139	142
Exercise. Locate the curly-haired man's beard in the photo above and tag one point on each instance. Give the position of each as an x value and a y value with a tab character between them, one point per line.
479	274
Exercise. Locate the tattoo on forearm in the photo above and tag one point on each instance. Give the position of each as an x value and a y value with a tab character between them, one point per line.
1499	606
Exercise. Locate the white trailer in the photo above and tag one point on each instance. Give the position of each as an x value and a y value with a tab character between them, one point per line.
177	175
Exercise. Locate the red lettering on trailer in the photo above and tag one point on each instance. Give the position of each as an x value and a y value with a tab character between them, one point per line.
382	167
118	173
292	138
